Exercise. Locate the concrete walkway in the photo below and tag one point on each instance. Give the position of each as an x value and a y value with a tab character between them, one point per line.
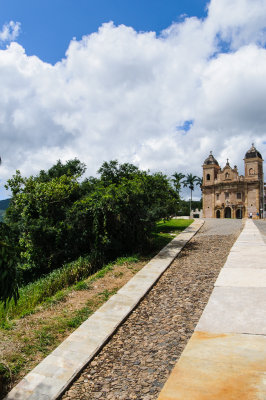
225	359
53	375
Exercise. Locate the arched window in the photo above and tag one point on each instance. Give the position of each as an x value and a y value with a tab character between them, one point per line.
227	175
251	171
208	177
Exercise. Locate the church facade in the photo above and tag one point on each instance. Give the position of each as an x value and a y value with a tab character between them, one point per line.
226	194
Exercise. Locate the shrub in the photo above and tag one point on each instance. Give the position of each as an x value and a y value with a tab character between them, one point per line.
37	292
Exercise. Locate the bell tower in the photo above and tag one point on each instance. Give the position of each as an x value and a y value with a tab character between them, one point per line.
210	172
253	164
254	182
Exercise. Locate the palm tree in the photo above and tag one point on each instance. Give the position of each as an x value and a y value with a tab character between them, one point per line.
177	177
191	181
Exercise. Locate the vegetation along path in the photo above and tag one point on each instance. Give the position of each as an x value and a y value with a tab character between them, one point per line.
138	359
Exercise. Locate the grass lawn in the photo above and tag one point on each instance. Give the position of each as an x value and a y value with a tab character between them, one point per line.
33	328
166	230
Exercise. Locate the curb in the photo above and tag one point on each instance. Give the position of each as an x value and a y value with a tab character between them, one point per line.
52	376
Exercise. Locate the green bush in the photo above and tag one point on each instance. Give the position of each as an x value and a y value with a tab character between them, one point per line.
56	218
37	292
5	377
8	273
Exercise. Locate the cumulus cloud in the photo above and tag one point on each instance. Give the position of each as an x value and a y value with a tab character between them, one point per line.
238	22
10	31
162	102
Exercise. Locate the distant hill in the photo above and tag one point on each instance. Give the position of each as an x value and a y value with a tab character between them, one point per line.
3	206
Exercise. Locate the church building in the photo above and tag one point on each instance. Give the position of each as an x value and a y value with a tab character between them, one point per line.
226	194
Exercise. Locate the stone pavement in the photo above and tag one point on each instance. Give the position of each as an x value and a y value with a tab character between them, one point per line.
226	356
137	360
50	378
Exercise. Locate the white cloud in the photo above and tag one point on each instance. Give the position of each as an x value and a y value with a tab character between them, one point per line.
239	22
122	94
10	31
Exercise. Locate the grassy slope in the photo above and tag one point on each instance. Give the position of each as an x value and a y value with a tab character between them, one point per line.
23	348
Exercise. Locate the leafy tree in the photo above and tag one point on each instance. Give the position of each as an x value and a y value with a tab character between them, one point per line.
37	215
8	266
118	217
70	168
190	181
112	173
56	218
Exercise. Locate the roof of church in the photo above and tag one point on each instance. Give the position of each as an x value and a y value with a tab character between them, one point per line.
210	160
253	152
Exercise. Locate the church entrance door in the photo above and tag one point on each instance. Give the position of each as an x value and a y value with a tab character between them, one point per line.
239	213
218	214
227	212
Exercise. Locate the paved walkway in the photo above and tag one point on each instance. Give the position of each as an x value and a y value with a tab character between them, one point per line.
225	359
136	362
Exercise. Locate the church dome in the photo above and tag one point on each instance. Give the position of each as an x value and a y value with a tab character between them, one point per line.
210	160
253	152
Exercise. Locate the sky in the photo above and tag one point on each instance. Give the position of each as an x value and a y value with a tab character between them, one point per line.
155	83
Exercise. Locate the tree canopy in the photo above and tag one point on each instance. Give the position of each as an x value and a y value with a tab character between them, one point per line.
55	216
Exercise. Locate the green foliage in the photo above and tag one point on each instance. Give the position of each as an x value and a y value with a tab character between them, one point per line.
177	181
81	316
173	225
119	218
106	294
8	267
50	289
70	168
5	377
164	232
37	217
113	173
55	217
37	292
190	181
184	206
126	260
81	286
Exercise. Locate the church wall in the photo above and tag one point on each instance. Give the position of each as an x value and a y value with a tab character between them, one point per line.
208	204
253	201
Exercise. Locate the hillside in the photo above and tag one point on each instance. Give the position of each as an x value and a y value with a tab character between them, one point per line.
3	206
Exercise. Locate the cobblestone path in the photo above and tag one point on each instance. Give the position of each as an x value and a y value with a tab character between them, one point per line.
137	361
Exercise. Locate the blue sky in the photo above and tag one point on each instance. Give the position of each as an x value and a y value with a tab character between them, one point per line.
48	26
161	101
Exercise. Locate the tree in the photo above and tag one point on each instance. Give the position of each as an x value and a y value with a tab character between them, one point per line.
177	178
9	278
70	168
55	217
111	172
190	181
119	214
37	218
